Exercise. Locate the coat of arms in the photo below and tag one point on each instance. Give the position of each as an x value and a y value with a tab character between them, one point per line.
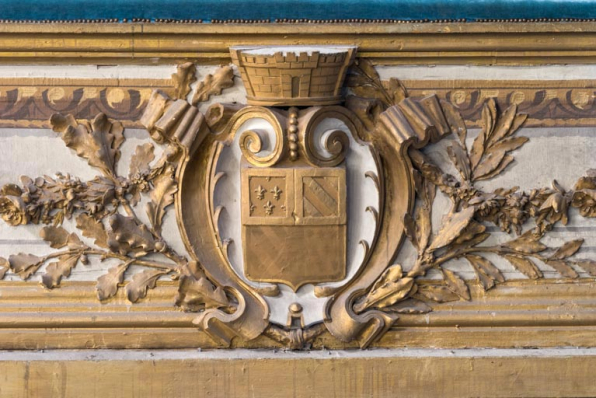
295	189
294	207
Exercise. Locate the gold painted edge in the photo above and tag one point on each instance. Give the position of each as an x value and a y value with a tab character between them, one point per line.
444	43
544	313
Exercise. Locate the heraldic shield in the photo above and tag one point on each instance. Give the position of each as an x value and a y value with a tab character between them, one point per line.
295	204
294	225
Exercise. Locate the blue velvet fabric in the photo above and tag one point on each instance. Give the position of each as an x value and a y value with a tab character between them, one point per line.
207	10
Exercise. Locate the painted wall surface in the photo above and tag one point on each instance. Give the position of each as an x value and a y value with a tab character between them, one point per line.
40	151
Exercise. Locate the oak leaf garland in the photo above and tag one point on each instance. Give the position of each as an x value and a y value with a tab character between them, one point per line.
104	207
461	236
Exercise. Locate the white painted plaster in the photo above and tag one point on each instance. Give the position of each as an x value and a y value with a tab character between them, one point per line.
459	72
271	50
246	354
89	71
35	152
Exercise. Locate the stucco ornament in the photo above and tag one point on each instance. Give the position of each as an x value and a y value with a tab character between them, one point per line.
294	207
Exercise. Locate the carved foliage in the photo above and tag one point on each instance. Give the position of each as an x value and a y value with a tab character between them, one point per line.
105	213
462	231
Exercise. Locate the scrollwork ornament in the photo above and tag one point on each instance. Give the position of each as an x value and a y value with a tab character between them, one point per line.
251	142
298	158
322	148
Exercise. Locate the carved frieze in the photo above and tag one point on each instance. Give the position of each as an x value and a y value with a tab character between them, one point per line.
293	217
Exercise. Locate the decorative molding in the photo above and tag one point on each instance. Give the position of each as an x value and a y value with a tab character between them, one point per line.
414	44
298	159
548	103
540	313
29	102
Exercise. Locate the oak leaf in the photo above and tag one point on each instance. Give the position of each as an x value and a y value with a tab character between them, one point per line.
59	237
94	229
25	265
98	141
141	282
183	78
126	236
161	197
141	159
197	294
56	270
100	190
107	285
214	84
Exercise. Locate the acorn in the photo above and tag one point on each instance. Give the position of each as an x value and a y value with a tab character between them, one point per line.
160	246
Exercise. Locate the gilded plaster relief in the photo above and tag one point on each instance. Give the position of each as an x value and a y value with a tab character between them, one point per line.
294	207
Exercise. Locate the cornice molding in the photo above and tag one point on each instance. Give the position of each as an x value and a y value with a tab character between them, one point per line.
29	320
391	44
